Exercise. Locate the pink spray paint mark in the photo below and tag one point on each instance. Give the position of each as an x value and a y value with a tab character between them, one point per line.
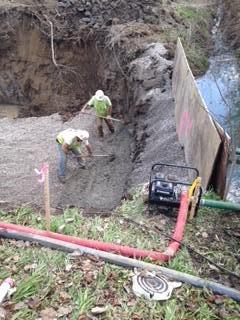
185	125
42	172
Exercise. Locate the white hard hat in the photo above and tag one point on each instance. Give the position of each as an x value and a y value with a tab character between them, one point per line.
99	95
82	134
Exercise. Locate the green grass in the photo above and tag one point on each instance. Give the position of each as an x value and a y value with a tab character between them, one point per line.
84	301
182	262
30	285
197	36
194	29
107	287
171	310
41	274
110	229
190	14
24	314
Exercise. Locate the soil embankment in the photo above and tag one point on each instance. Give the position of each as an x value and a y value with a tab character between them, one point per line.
94	47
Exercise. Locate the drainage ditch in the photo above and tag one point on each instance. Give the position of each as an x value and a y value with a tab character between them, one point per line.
42	91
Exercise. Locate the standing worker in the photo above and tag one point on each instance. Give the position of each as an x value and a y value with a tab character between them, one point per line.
103	107
71	140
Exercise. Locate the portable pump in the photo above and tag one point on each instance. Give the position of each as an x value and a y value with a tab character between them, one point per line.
165	189
162	188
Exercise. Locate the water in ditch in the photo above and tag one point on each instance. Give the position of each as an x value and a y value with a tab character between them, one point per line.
9	111
220	90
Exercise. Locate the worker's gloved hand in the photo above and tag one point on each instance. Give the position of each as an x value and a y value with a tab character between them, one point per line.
108	116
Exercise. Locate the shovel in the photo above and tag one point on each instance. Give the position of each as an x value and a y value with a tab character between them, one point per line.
111	156
93	115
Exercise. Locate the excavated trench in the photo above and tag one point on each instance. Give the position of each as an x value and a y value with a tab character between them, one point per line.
42	90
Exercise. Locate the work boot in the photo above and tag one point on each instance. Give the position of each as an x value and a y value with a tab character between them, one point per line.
81	163
110	125
62	179
100	131
112	130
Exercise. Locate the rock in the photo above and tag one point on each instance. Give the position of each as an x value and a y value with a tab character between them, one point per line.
205	235
61	228
99	310
87	14
68	267
48	314
64	5
64	311
87	20
80	9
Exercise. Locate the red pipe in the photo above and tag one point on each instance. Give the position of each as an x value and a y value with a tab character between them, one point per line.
179	228
110	247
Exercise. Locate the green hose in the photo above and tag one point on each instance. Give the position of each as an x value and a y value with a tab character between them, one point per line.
220	204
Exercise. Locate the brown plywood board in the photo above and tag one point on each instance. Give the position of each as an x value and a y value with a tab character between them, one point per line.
195	127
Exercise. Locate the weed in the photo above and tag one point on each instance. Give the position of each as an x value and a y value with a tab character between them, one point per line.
182	262
29	286
135	207
194	33
203	312
170	310
210	194
84	301
24	314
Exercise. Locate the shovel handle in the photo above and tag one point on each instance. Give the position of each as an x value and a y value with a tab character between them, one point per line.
94	155
93	115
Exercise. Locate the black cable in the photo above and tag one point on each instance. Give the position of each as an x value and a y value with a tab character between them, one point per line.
185	245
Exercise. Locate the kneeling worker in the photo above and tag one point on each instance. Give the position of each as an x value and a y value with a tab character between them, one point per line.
71	140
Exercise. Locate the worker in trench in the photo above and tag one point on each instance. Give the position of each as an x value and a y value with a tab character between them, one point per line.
71	140
103	107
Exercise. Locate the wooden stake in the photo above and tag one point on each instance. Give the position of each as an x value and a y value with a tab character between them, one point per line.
47	199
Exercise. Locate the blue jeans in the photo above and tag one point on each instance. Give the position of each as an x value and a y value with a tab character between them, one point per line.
62	159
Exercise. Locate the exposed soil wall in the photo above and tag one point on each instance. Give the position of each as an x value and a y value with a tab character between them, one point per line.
30	79
149	137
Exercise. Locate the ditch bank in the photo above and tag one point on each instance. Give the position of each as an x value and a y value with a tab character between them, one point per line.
50	84
149	137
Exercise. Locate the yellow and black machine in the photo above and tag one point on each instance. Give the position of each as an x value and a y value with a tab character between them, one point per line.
168	181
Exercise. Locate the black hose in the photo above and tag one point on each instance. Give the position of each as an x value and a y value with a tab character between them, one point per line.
185	245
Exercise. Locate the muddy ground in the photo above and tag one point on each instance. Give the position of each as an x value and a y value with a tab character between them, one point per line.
47	89
26	143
